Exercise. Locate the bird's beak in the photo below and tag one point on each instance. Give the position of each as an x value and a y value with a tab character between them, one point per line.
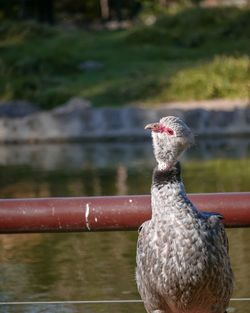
153	127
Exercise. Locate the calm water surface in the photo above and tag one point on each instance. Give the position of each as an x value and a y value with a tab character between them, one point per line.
99	266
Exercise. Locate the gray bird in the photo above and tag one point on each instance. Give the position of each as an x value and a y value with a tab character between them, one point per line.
182	254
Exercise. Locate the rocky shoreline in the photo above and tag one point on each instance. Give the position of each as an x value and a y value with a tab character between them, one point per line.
78	120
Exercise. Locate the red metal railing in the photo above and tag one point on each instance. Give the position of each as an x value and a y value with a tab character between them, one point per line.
107	213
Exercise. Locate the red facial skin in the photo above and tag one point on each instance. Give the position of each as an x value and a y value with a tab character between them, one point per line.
160	128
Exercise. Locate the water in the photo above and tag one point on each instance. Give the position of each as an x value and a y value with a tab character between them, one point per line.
99	266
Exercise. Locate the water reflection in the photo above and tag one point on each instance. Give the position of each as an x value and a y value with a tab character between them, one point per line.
77	156
92	266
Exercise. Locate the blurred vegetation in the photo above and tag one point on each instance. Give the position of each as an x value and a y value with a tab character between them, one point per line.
193	53
83	12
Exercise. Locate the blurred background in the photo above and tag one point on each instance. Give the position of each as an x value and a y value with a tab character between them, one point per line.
118	54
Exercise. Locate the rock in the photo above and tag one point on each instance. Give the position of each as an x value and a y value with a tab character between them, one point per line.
91	65
219	119
78	120
15	109
194	118
113	118
75	104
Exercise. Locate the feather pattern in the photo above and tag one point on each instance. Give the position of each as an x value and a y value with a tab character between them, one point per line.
182	254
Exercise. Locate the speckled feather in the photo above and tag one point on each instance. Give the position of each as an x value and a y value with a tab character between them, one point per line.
182	254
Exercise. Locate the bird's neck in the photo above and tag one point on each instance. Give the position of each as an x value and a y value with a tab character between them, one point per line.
163	176
168	193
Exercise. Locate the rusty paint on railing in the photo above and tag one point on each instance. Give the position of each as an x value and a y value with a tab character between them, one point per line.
107	213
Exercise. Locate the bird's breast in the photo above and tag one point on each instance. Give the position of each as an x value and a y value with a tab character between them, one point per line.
172	253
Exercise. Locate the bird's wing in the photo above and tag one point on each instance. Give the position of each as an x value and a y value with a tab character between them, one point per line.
223	235
142	231
141	259
212	214
218	227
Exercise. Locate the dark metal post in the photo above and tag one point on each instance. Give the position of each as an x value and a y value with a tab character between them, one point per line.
107	213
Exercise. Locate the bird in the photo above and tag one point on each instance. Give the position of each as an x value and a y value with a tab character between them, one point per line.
182	258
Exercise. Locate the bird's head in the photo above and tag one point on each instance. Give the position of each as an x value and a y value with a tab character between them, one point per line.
171	137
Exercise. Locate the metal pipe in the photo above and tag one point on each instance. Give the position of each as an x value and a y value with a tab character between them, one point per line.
107	213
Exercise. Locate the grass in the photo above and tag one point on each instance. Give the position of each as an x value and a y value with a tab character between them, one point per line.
193	54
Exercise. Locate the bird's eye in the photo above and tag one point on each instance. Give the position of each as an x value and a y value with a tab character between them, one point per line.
169	131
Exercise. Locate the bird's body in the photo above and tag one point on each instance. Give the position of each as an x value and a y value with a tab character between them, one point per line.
182	254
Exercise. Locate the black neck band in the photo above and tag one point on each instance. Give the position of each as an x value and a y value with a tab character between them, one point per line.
167	176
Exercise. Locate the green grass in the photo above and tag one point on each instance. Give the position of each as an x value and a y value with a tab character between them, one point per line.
193	54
